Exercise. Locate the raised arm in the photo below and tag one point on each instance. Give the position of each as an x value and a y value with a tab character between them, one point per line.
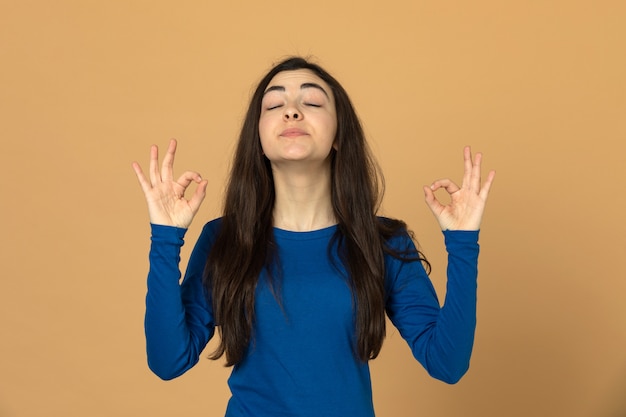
178	321
442	338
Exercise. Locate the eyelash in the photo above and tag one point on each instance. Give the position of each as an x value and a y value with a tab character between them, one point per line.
306	104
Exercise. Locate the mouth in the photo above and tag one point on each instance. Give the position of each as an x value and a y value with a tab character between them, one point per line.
292	133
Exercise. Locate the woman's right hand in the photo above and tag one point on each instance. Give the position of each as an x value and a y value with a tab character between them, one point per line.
165	196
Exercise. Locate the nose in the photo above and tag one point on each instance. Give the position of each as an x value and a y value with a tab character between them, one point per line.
291	113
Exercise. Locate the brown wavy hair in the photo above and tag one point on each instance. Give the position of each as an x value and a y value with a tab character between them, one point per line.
245	243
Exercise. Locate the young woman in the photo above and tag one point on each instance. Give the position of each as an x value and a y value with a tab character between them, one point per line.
299	272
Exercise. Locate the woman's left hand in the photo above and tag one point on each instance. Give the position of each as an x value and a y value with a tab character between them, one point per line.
467	203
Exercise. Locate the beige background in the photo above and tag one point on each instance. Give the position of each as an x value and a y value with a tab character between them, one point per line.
539	86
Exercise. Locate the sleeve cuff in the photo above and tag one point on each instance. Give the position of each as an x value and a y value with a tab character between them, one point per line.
469	236
461	239
161	233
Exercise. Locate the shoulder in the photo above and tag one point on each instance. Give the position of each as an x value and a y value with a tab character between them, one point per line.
399	244
212	226
209	233
395	233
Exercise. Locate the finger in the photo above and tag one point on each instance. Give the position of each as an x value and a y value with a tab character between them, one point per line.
467	163
431	200
187	178
143	181
484	192
475	179
155	176
446	184
198	196
167	169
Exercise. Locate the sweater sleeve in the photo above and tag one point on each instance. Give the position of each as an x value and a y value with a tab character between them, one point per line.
441	338
178	321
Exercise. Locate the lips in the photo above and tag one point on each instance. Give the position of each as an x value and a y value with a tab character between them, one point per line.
293	132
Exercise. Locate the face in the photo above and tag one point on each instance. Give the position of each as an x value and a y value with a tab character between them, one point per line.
298	118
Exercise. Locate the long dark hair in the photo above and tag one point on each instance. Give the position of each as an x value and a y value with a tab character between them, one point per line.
245	244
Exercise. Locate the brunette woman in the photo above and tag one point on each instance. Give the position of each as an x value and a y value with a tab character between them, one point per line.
300	271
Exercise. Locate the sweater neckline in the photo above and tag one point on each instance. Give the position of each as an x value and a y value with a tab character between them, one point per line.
308	235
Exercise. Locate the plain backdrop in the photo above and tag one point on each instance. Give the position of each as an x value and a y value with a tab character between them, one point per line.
538	86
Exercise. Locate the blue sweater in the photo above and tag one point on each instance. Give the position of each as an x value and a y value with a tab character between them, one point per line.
301	361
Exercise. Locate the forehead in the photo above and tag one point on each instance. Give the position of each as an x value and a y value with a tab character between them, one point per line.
294	79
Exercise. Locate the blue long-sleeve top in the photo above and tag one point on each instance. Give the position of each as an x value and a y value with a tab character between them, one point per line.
302	359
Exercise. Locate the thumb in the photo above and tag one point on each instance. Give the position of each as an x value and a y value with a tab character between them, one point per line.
198	196
431	200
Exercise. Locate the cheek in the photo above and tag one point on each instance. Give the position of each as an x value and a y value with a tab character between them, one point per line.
262	124
263	128
266	129
332	127
333	133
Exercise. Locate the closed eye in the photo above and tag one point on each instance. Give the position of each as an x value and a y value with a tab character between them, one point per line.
274	107
312	105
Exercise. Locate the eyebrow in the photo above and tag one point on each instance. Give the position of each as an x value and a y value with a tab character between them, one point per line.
302	87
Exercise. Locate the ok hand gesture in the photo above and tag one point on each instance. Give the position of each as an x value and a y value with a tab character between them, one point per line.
165	196
465	210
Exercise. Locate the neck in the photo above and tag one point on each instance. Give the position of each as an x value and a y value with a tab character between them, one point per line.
303	200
